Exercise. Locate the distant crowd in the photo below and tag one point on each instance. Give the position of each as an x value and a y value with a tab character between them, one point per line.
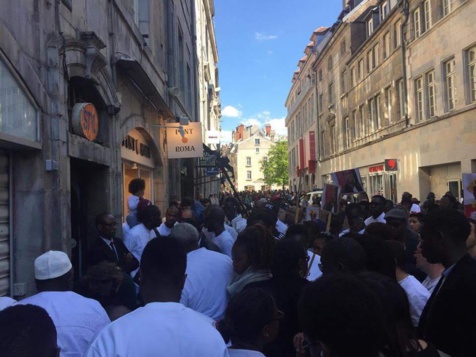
246	274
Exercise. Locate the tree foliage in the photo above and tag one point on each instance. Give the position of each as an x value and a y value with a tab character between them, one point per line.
275	169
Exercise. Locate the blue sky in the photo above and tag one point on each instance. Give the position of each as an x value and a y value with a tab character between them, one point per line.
259	45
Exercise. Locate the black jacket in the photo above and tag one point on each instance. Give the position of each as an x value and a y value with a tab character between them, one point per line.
101	251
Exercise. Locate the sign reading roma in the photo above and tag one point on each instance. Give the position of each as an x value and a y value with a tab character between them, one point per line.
185	142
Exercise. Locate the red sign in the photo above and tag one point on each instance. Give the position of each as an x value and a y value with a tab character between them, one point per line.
312	166
301	154
312	146
377	168
391	165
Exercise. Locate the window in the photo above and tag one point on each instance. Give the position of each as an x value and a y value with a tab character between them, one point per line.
418	99
430	94
313	79
370	27
320	75
388	104
360	70
342	47
376	54
371	115
135	5
331	93
361	121
370	61
416	23
343	80
384	9
386	45
265	159
401	99
329	62
248	175
398	34
353	124
333	139
348	133
352	76
248	161
257	141
376	113
450	87
257	150
471	60
447	7
426	15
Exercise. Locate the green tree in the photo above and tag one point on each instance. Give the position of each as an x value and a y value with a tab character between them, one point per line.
275	169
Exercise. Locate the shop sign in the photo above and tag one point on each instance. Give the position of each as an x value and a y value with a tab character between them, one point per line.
207	160
212	137
211	171
391	165
185	142
18	116
377	168
85	121
136	149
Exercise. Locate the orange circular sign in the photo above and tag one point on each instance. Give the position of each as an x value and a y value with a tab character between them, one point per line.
85	120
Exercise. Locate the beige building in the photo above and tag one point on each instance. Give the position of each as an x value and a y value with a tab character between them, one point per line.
249	149
398	83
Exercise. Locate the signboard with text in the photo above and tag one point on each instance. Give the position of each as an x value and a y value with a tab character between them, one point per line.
185	142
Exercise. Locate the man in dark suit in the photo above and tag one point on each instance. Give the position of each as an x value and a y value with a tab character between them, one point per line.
108	248
448	320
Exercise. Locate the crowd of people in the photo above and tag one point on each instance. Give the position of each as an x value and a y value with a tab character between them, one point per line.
246	275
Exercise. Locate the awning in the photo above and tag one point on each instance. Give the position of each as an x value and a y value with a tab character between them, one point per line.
134	70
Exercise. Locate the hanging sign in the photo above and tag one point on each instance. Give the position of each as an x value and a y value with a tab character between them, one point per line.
85	121
212	137
185	142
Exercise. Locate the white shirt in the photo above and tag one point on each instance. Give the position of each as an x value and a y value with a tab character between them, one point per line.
5	302
137	239
239	223
208	275
159	329
225	242
430	284
415	208
380	218
281	228
163	230
345	231
77	319
232	231
126	230
244	353
132	202
314	272
417	294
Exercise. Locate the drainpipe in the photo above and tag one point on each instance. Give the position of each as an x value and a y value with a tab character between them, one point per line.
195	107
405	12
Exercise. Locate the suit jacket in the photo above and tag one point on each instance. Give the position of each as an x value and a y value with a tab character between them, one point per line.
101	251
448	320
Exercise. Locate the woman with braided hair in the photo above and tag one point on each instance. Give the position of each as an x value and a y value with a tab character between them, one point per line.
252	255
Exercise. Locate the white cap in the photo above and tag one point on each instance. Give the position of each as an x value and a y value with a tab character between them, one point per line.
52	264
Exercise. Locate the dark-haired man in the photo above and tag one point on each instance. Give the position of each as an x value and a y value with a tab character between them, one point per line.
376	210
448	320
230	205
163	327
171	218
215	223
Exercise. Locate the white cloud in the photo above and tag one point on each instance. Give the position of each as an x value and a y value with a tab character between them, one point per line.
252	121
261	36
231	112
278	125
263	118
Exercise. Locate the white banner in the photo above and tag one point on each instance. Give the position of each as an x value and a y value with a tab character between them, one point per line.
212	137
185	142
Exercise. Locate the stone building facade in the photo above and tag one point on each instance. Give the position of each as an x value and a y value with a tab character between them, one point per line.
62	161
398	84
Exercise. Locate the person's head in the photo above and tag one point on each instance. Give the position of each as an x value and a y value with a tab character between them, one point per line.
171	216
381	231
377	205
415	221
214	218
398	219
27	331
150	216
299	233
398	251
343	255
320	242
231	207
187	235
106	225
355	217
444	234
388	205
407	196
399	330
162	270
406	204
252	318
187	202
342	315
379	255
263	217
102	282
431	197
53	272
290	260
137	187
254	247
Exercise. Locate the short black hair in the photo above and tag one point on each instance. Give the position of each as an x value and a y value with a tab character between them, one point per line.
163	262
379	255
136	185
449	222
259	246
398	251
381	231
343	254
287	256
145	215
298	230
354	207
383	200
343	313
100	218
247	313
261	215
27	331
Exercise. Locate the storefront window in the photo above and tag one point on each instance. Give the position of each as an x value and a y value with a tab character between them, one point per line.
376	184
132	171
18	116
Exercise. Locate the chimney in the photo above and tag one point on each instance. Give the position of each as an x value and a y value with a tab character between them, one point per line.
268	129
239	132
